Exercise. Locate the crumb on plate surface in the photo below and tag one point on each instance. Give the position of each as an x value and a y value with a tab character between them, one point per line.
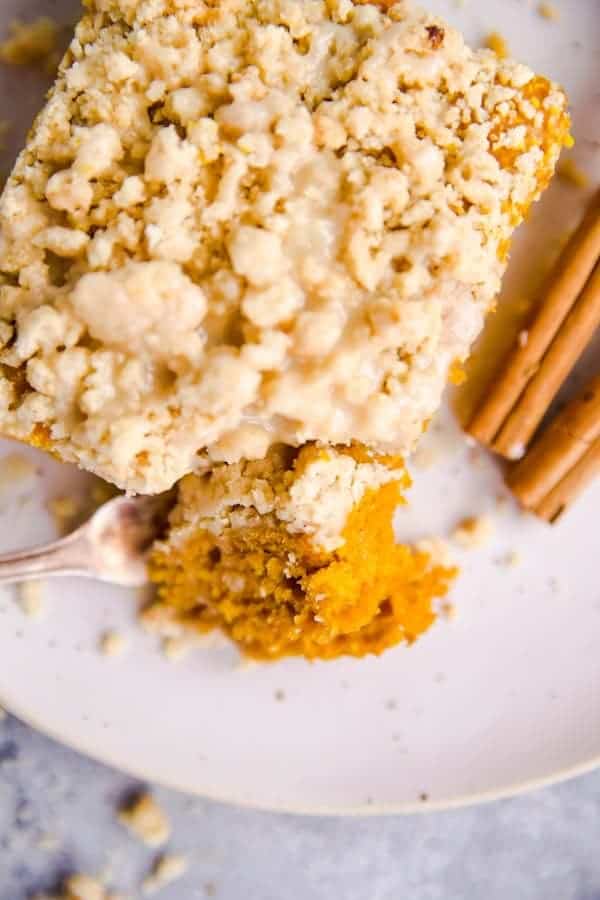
30	598
549	11
474	531
113	644
246	223
175	648
497	42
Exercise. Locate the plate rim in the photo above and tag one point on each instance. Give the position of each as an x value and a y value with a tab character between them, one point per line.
357	811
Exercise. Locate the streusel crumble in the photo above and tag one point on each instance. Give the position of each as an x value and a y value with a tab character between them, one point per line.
251	222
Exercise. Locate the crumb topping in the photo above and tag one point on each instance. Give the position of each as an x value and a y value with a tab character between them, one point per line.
258	221
311	493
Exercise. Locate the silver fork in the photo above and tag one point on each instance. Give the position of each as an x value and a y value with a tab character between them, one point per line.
111	546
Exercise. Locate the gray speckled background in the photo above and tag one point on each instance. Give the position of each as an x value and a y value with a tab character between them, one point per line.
544	846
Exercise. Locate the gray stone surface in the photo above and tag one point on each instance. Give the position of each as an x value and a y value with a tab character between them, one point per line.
545	846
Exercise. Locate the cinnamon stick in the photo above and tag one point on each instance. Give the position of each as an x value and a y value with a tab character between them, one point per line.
566	284
558	451
553	371
572	485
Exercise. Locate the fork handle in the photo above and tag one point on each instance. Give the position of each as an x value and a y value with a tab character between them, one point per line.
63	557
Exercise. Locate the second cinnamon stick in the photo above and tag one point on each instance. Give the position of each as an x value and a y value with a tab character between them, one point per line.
560	448
571	486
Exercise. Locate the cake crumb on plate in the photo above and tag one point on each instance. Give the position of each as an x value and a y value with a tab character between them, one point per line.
512	559
497	42
549	11
30	599
113	644
175	649
473	532
449	611
438	549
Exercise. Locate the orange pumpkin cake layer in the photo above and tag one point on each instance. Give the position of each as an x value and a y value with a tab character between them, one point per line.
250	222
295	555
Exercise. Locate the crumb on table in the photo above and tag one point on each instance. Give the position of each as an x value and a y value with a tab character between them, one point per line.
30	42
165	871
80	887
146	821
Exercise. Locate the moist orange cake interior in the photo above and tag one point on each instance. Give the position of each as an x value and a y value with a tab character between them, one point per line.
276	593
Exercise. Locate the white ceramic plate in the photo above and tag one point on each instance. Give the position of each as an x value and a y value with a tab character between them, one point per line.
504	697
